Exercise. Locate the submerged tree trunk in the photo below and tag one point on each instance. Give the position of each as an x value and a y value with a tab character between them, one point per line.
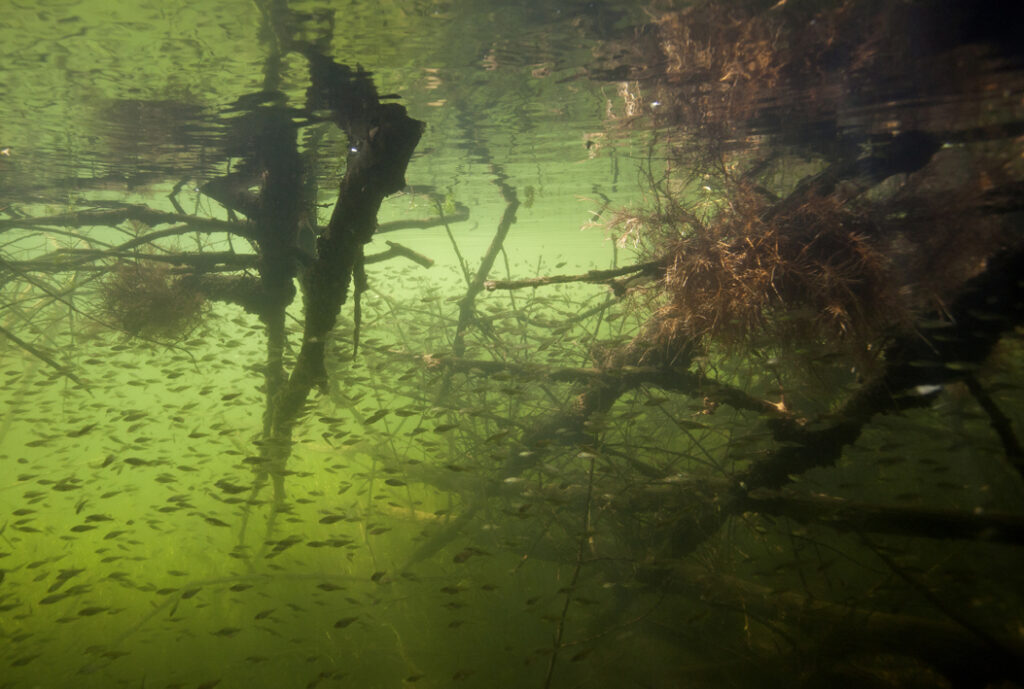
382	138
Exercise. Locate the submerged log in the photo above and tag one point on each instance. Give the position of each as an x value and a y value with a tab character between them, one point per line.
839	631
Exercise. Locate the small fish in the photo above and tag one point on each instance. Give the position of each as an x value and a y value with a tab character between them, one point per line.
226	631
54	598
468	553
81	431
344	622
230	488
63	577
24	660
89	612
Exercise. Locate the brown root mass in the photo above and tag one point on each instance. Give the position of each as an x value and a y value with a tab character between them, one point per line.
824	183
144	299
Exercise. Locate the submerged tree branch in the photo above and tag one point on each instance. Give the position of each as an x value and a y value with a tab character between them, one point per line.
382	139
989	305
649	269
41	355
919	521
479	280
120	213
1000	423
844	631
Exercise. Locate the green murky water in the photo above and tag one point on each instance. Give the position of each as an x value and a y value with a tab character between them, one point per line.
770	440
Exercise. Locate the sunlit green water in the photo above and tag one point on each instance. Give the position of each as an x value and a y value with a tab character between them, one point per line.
133	549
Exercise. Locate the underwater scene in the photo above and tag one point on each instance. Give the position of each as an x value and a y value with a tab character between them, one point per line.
418	344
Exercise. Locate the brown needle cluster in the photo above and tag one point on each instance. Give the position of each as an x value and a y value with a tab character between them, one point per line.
144	299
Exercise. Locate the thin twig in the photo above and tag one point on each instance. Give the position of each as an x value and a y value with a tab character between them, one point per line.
571	589
592	276
41	355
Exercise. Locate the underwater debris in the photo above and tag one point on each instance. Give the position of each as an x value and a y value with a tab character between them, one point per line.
144	299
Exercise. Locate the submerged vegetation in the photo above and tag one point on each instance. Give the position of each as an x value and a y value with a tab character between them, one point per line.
144	299
777	446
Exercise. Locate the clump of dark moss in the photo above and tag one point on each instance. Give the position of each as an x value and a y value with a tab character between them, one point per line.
144	299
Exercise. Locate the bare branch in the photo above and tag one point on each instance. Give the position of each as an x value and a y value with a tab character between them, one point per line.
40	354
112	217
650	268
395	250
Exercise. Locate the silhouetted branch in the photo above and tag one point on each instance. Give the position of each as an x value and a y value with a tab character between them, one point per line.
461	214
120	213
396	250
924	522
650	268
1000	423
479	280
842	631
40	354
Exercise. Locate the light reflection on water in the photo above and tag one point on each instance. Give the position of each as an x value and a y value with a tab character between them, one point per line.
131	99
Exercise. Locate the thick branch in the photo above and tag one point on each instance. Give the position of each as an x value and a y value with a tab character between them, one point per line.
846	515
990	305
843	631
382	138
